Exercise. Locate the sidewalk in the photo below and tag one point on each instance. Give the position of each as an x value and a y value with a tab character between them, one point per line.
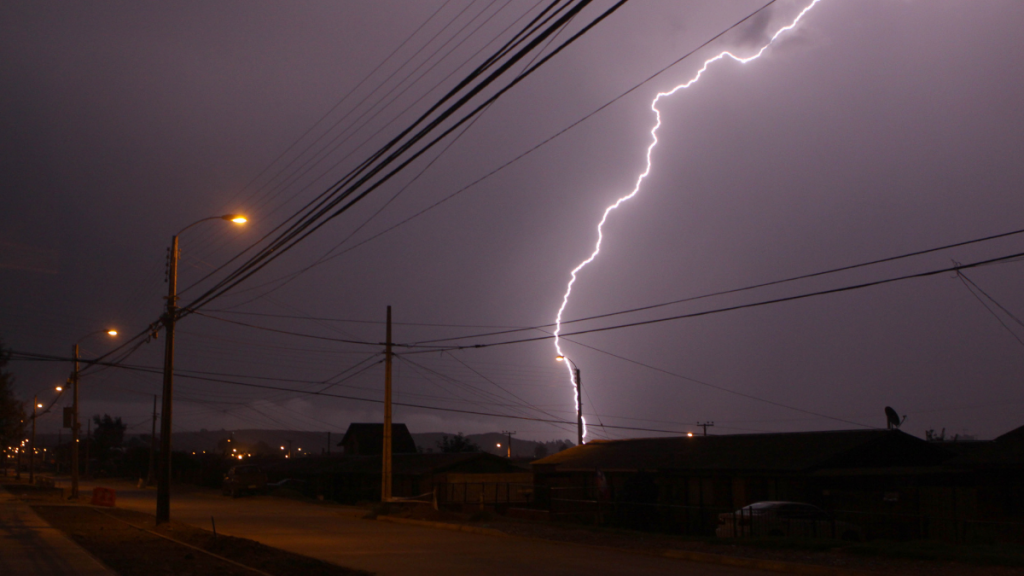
29	546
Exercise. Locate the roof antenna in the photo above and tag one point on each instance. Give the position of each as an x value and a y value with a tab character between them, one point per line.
893	419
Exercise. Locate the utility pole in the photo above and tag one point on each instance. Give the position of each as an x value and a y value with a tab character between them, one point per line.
32	452
385	472
705	425
151	475
163	484
509	435
75	428
579	409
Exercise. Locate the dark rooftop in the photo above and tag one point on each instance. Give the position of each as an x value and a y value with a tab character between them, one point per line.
793	451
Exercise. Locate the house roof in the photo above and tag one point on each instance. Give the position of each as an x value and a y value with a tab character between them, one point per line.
793	451
368	438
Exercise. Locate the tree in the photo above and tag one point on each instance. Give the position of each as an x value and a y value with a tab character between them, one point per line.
457	443
108	435
540	451
12	411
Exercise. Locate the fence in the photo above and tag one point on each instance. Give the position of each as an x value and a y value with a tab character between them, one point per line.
487	493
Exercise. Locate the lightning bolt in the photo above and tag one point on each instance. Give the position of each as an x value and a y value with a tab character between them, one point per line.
647	171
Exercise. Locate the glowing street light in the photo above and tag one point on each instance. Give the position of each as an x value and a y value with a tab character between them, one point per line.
76	428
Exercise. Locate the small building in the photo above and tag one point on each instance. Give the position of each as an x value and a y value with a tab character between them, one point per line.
367	439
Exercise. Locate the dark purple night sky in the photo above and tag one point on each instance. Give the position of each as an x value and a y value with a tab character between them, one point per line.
874	129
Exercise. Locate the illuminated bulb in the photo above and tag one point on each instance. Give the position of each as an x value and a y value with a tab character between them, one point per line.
60	389
236	218
112	332
39	405
690	434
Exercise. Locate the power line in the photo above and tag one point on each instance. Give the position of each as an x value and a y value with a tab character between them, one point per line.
542	143
745	288
360	399
320	207
848	288
319	215
964	280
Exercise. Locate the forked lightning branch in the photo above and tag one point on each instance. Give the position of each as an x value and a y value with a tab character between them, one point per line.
647	170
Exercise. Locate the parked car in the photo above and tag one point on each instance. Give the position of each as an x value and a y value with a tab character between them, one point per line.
242	479
785	519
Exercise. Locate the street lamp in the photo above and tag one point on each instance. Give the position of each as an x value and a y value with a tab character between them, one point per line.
579	399
75	427
163	481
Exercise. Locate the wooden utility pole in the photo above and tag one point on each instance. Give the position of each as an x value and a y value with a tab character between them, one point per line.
579	409
75	428
509	435
32	450
151	475
705	425
163	480
385	472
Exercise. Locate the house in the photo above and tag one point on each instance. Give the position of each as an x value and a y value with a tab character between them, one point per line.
892	484
367	439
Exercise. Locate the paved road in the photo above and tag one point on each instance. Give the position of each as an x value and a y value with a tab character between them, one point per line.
338	534
29	546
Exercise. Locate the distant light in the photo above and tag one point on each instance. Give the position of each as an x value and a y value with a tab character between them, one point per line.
239	456
282	447
559	358
39	405
233	450
690	434
499	444
236	218
300	449
60	389
112	332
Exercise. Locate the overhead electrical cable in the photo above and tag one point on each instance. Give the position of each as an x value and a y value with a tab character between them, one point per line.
328	209
552	137
317	207
741	289
838	290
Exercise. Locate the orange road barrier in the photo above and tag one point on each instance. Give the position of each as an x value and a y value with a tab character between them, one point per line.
103	497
